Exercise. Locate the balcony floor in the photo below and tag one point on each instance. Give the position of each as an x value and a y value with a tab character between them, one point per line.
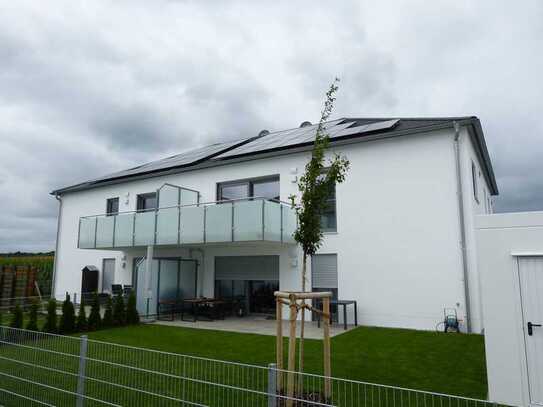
255	324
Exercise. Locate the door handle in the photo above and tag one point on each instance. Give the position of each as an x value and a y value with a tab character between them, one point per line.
531	327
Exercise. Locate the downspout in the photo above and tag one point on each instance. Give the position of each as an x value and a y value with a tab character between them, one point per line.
460	196
53	279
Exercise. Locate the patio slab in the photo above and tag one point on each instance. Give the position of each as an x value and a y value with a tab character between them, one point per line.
256	325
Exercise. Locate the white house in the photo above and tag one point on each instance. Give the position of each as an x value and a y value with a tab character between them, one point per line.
400	231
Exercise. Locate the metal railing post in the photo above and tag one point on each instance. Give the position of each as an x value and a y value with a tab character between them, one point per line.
272	385
81	372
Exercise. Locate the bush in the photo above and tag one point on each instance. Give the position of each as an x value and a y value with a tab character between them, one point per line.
81	323
17	317
32	324
95	320
119	312
67	319
132	316
107	322
51	318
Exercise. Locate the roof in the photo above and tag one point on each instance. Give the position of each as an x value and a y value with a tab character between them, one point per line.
341	131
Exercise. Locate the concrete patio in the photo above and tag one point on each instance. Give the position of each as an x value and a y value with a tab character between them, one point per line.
256	325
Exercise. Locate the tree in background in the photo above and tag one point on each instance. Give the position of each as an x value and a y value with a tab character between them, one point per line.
81	322
16	317
107	322
119	311
32	324
51	318
132	316
315	186
95	320
67	319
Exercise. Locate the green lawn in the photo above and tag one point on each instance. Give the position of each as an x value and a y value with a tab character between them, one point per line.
444	363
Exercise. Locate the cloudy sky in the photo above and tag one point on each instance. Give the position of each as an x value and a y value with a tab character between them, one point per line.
87	88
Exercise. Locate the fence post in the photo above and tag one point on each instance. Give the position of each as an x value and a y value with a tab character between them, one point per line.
272	385
81	372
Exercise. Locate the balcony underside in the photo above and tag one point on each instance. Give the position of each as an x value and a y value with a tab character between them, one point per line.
225	223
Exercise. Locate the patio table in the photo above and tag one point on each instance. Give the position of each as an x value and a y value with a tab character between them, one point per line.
169	304
197	303
344	304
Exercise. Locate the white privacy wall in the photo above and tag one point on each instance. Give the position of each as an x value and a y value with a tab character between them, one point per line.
500	238
397	240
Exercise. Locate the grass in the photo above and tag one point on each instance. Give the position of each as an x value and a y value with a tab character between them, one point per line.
443	363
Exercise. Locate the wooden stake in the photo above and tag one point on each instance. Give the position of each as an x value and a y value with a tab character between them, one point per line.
326	344
279	343
291	350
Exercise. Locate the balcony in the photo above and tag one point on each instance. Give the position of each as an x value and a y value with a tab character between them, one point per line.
245	220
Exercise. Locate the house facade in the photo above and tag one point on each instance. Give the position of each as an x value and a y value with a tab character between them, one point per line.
216	222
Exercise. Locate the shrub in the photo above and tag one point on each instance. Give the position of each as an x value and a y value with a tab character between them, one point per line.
32	324
67	319
132	316
119	311
95	320
51	318
17	317
81	323
107	322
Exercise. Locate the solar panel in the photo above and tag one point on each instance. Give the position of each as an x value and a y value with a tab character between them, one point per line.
186	158
335	129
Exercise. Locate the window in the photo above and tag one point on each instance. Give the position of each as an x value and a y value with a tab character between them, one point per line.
146	202
112	206
260	187
328	217
474	181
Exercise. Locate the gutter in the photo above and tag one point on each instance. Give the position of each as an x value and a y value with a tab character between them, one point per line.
53	280
460	196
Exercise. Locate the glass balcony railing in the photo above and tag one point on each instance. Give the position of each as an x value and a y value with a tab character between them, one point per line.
244	220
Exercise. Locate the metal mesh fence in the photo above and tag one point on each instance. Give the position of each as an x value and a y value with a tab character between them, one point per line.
53	370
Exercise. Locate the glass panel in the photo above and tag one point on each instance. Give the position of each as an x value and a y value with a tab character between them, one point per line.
328	217
289	224
272	221
168	196
141	301
192	224
187	279
218	227
146	202
112	207
124	228
267	189
104	231
144	233
248	220
188	197
167	226
87	229
167	282
233	191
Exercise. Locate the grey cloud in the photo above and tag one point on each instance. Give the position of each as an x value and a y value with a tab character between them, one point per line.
88	91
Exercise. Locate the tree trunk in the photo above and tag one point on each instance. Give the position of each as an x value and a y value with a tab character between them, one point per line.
302	326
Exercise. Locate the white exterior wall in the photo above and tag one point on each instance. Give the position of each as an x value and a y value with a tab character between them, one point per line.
397	238
499	238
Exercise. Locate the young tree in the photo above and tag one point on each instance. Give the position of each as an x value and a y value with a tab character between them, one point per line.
107	321
32	324
95	320
67	319
315	186
17	317
81	322
132	316
119	311
51	318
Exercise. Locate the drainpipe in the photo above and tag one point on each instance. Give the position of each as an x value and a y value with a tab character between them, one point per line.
460	195
53	279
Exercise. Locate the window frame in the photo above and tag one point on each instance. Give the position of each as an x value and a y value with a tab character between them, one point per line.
250	186
109	201
141	197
